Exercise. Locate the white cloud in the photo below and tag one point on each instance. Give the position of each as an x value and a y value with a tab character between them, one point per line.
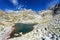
8	10
15	2
20	6
53	3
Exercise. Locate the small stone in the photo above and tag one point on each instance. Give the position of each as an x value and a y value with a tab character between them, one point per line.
45	28
43	38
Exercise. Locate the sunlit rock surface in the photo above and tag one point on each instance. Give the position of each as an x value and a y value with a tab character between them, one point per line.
29	25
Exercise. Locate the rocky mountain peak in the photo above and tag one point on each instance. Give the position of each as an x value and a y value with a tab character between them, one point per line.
55	8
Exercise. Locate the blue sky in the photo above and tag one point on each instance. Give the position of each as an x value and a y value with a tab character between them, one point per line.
28	4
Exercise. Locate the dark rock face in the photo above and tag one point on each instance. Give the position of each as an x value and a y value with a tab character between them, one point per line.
55	8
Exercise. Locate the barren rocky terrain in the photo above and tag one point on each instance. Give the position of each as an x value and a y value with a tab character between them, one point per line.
30	25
